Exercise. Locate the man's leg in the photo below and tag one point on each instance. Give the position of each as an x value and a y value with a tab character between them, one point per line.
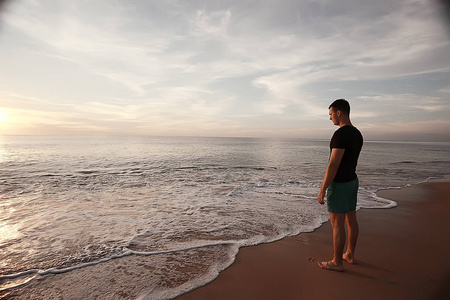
338	224
353	232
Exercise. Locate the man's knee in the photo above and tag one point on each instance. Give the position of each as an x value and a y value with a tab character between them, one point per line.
352	223
337	220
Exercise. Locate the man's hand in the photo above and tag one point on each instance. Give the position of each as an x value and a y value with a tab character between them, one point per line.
320	197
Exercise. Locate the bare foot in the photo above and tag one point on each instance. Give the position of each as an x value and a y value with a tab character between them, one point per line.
348	258
329	265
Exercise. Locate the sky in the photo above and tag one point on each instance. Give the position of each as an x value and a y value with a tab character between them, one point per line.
266	68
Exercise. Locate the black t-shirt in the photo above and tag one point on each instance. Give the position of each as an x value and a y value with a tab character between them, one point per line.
350	139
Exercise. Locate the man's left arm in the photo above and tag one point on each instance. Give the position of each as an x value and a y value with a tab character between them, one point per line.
333	165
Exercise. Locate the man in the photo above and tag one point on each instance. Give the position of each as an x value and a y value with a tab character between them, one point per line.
341	185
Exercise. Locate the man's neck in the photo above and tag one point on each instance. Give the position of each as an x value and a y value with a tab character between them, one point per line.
345	122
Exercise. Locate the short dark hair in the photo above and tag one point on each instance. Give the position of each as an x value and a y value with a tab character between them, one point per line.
342	105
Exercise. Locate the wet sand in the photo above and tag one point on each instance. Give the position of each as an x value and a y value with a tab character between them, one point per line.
402	253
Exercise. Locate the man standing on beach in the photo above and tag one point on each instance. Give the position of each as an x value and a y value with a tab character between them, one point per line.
341	185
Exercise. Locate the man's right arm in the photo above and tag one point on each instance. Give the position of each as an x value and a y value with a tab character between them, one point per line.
333	165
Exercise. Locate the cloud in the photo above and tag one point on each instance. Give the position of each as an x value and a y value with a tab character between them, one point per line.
445	90
403	131
211	23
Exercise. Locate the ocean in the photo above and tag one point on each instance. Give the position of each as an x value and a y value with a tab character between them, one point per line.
189	203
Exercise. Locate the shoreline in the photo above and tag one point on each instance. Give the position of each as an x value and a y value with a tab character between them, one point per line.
390	262
401	253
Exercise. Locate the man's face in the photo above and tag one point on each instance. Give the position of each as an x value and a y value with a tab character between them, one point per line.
334	116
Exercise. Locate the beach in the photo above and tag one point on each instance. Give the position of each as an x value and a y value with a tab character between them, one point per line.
402	253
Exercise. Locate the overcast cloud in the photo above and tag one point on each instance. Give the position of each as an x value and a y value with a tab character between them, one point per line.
224	68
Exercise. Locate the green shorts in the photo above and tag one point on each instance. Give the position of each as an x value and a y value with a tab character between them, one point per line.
341	196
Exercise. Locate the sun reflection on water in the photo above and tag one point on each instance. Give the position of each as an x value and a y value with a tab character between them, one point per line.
8	231
2	149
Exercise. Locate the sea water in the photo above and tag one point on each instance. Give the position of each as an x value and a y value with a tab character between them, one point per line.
72	202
